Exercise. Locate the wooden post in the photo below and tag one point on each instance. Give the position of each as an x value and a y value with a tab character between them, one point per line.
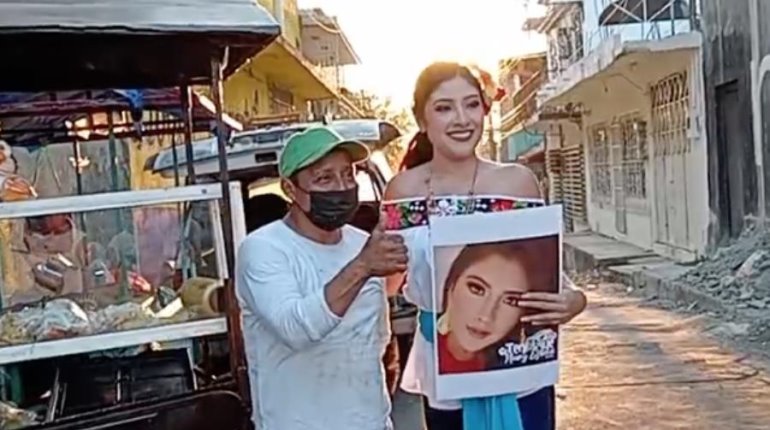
235	335
185	95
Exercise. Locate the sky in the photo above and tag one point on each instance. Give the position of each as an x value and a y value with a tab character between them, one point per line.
395	39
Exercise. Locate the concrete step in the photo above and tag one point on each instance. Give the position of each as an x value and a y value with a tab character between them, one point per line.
629	272
588	251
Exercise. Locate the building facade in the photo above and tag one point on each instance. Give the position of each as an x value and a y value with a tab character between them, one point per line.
297	77
326	46
563	149
737	70
521	77
628	99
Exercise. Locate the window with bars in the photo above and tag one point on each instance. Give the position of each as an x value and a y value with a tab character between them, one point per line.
600	168
671	115
635	157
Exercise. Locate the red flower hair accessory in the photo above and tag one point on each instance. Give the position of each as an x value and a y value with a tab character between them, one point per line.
490	91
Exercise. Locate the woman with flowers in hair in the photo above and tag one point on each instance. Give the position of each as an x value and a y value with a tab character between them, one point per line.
441	175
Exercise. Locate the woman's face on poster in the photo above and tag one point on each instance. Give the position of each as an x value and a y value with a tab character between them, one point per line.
485	302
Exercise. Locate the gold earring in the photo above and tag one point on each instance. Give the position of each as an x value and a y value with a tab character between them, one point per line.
442	325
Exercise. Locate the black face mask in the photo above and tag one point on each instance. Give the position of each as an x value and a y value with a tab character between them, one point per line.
330	210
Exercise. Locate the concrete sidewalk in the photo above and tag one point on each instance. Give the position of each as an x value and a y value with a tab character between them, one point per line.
587	250
642	270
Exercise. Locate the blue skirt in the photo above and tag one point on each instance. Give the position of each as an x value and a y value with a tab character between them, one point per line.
538	412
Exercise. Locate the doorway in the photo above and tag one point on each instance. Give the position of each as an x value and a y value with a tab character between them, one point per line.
731	161
671	151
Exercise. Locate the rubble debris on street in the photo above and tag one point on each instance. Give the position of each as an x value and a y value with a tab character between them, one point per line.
738	273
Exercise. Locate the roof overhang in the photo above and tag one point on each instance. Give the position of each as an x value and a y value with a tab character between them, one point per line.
79	44
284	65
556	10
532	23
606	60
317	27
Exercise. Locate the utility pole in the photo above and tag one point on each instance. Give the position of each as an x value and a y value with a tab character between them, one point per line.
493	153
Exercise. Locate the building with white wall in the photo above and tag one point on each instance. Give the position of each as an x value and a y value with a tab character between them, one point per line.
632	104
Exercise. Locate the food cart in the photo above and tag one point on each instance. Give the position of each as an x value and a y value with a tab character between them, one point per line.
61	303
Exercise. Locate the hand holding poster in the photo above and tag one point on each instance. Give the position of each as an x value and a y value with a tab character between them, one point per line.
483	265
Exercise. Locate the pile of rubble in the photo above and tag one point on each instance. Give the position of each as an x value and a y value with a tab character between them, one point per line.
738	273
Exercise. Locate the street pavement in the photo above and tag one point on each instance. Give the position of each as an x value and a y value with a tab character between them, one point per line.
629	365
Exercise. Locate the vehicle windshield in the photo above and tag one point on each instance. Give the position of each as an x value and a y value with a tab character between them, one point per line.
264	137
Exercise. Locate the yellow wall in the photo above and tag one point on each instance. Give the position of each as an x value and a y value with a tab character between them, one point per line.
267	4
247	91
292	29
246	94
291	26
140	151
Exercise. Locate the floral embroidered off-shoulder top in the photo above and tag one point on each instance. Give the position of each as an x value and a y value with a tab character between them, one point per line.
414	212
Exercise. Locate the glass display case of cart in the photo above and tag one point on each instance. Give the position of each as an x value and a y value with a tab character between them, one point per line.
103	271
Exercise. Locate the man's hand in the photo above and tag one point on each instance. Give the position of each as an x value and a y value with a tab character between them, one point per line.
384	253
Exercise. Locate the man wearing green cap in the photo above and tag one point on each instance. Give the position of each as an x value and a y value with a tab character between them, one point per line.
313	298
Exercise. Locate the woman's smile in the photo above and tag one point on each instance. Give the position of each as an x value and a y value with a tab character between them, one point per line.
461	135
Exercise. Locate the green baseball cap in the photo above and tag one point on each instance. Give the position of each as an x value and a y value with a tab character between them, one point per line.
306	147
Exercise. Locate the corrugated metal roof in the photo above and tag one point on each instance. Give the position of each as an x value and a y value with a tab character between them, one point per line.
150	16
85	44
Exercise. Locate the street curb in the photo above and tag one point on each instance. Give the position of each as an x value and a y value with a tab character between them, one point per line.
678	291
579	260
662	282
649	276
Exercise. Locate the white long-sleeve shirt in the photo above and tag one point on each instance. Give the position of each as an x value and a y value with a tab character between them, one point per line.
308	368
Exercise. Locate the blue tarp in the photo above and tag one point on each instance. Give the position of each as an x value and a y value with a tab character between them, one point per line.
521	142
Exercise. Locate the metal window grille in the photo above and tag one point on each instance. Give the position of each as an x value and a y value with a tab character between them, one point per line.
600	165
671	115
634	157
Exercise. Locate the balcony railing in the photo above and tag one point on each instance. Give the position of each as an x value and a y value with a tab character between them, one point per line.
638	23
521	105
638	20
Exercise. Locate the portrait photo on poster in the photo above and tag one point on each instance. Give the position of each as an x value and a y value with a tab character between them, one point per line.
482	266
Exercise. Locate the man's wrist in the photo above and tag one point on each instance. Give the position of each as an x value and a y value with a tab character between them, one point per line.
359	269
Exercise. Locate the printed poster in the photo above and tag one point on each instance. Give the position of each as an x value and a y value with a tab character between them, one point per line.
482	265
